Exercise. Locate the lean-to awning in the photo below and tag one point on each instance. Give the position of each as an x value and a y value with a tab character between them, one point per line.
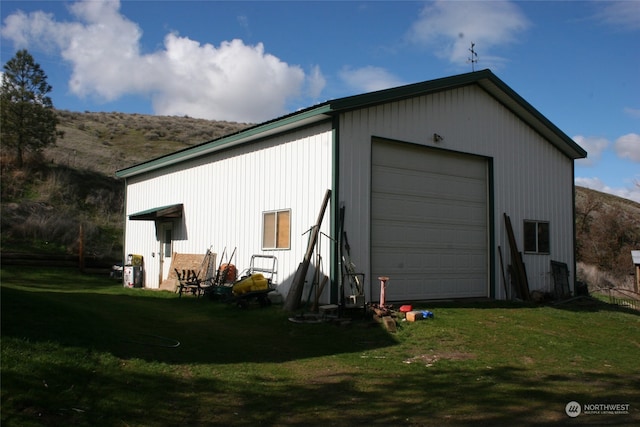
163	212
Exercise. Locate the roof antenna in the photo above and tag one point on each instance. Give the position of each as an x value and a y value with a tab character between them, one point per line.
474	57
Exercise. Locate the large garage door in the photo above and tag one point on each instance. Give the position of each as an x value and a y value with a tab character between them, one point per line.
429	222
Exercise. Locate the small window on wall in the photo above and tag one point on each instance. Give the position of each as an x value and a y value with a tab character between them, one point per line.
536	237
276	230
167	243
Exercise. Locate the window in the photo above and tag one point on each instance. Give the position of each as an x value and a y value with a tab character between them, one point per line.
276	229
167	243
536	237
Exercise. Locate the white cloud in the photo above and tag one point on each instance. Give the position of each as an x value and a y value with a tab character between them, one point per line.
316	82
632	192
243	20
628	147
232	81
621	14
451	27
594	146
632	112
369	79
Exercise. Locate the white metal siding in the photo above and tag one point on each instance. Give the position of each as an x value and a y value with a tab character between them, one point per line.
225	194
531	178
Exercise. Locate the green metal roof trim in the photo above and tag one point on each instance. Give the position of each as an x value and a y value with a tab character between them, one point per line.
540	123
408	91
485	79
311	114
163	212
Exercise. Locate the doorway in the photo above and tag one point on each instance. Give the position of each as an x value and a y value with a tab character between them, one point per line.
166	249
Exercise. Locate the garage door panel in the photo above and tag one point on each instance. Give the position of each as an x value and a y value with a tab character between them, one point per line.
424	184
421	287
427	211
439	235
431	261
429	222
413	157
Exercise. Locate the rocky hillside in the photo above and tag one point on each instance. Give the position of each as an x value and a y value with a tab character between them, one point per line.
44	203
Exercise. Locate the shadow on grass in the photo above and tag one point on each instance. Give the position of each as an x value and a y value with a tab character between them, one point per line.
590	304
85	355
75	394
172	330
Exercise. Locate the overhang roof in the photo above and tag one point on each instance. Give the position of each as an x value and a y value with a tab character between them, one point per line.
484	79
163	212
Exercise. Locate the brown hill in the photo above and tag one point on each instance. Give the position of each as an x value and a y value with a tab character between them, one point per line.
106	142
607	230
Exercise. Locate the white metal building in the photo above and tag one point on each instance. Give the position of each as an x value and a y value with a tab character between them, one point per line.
425	173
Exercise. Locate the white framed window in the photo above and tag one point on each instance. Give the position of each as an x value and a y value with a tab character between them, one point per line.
276	229
536	237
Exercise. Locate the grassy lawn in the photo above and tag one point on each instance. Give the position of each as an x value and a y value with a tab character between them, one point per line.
82	350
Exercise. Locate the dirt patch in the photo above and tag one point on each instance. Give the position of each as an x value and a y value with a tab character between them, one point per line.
430	359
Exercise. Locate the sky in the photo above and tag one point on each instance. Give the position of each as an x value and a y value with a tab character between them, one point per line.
576	62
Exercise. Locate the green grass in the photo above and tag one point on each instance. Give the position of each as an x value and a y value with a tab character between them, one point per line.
82	350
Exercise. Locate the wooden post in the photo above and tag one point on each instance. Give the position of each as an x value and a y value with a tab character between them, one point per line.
81	248
383	288
635	257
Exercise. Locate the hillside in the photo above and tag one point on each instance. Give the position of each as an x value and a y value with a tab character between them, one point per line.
73	184
106	142
44	203
607	230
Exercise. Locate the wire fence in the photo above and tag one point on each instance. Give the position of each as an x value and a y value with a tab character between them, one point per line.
621	296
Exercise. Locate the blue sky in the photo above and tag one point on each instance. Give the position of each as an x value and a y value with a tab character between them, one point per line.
577	62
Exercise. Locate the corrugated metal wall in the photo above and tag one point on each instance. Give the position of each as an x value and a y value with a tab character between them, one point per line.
532	179
225	194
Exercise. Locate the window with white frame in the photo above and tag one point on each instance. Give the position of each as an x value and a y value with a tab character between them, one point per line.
276	229
536	237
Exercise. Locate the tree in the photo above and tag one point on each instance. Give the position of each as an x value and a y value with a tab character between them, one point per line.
28	121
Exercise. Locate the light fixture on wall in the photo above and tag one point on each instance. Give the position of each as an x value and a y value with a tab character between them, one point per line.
437	138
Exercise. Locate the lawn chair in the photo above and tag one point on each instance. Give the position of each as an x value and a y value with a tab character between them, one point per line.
189	282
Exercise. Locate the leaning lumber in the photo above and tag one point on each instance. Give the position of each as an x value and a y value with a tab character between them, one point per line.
292	302
518	265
